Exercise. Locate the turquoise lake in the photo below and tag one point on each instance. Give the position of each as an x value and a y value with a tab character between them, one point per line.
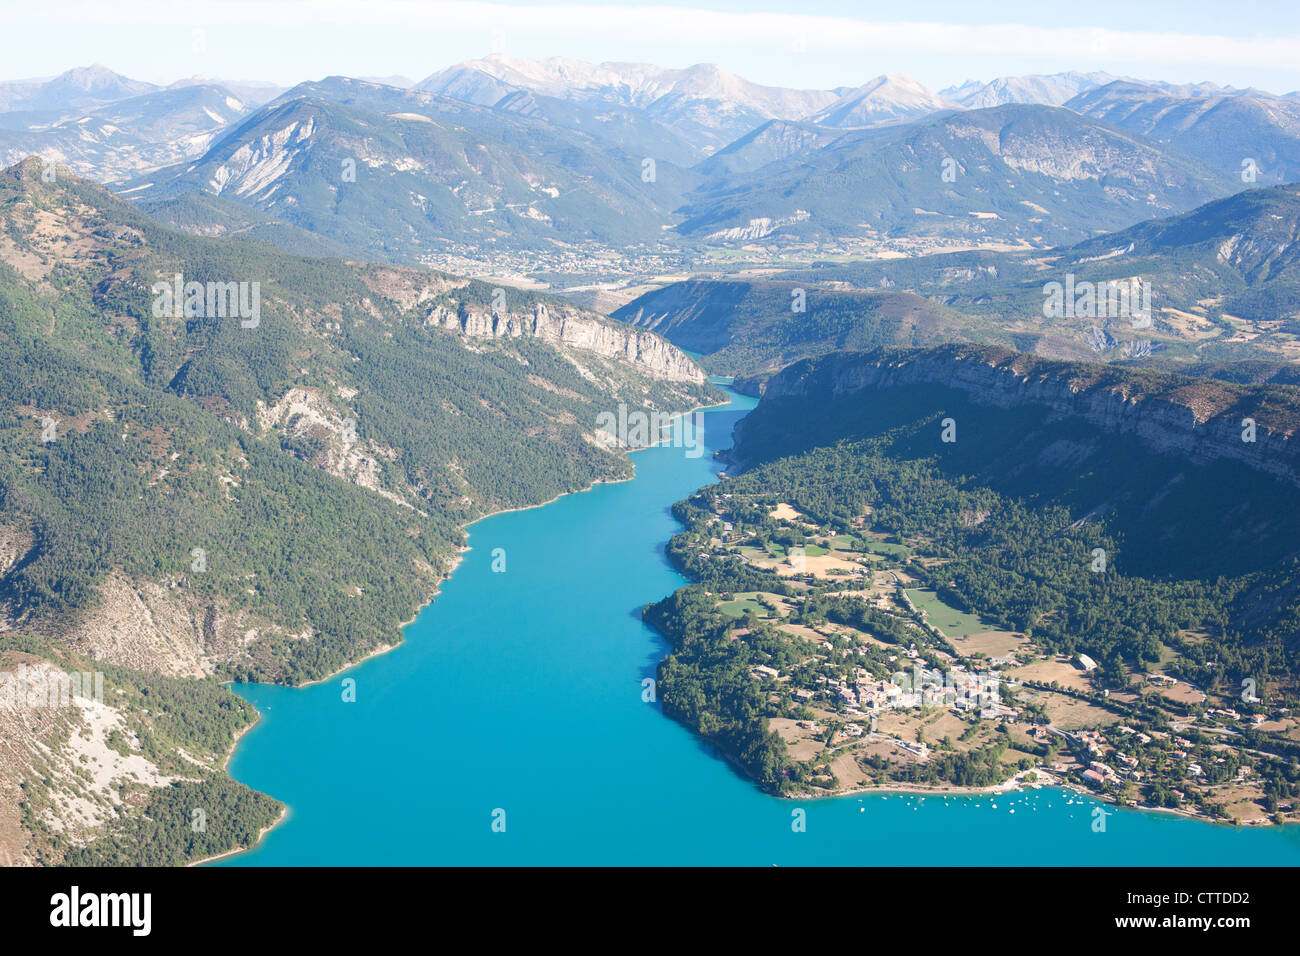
521	691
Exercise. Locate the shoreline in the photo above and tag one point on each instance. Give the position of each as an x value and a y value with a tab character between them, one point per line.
225	768
1009	786
284	813
460	556
1014	786
465	549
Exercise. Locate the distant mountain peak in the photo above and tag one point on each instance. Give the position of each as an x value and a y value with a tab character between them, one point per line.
79	88
704	102
889	98
1043	89
98	77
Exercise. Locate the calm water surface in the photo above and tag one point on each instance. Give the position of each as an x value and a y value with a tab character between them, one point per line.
521	691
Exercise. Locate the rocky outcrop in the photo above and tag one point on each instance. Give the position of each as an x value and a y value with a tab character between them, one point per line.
573	329
1201	419
66	743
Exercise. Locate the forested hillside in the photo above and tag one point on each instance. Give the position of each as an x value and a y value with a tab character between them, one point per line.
1063	508
757	327
263	493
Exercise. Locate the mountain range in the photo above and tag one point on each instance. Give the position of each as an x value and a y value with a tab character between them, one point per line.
117	140
247	410
1021	173
80	88
1223	281
557	167
706	104
1246	132
396	174
1053	90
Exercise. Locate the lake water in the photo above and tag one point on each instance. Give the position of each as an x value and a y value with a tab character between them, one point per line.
521	692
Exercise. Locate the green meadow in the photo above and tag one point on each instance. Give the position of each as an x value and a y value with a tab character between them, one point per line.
952	622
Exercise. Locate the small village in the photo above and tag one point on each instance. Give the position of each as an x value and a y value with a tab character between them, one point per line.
919	696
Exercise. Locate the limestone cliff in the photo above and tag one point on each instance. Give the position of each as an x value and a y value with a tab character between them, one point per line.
1201	419
571	328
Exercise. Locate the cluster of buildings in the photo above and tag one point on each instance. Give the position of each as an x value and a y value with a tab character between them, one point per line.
1101	774
1142	738
582	261
959	689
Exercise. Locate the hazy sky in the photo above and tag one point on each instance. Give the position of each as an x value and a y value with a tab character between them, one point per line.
780	42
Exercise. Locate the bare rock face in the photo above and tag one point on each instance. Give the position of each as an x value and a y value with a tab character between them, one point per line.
82	754
147	626
1202	420
570	328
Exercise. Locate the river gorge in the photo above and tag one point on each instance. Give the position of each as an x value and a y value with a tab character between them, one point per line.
510	729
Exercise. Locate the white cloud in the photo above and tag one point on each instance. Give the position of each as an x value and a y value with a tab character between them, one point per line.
287	41
688	28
